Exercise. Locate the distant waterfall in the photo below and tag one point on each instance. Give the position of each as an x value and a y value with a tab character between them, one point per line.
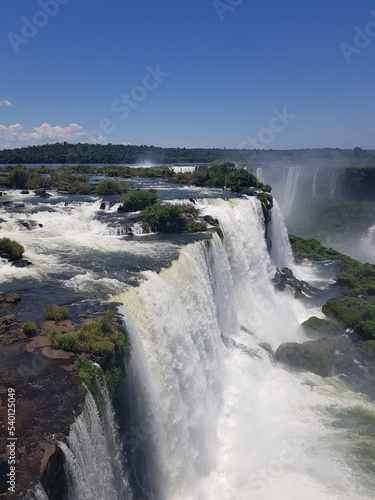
333	184
291	187
315	182
211	411
281	252
367	244
94	456
259	174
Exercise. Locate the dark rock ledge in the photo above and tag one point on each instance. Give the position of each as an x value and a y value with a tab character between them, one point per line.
49	396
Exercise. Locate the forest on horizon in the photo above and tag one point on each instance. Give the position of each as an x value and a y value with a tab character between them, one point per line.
131	154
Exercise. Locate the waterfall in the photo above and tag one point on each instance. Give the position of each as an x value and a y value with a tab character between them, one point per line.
259	174
37	493
281	252
213	417
291	186
93	454
333	184
315	182
367	245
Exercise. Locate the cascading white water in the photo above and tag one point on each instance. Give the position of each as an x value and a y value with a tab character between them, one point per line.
291	187
315	182
64	229
281	252
259	174
93	454
333	184
37	493
367	245
214	418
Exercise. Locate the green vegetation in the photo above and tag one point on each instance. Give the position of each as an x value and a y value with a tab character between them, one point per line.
116	153
54	312
138	200
21	178
166	218
354	277
266	200
170	218
338	220
368	348
96	337
316	356
368	328
346	310
108	188
89	338
10	249
224	175
194	226
320	327
29	328
89	374
355	309
103	340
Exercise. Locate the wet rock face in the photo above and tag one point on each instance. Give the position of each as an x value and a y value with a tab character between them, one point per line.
48	397
21	263
316	356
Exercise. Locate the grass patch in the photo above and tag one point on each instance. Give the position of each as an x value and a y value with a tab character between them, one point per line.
29	328
103	340
53	312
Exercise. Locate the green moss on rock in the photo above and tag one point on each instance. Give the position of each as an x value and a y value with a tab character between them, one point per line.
316	356
346	310
368	348
10	249
317	327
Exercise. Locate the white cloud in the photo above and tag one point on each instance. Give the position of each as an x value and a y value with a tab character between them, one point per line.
14	136
5	102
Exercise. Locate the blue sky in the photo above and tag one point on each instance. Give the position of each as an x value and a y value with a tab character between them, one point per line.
188	73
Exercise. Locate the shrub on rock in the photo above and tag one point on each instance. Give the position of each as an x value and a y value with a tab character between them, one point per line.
10	250
138	200
54	312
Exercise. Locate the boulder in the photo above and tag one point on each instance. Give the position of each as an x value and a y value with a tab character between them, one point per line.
62	326
42	193
6	322
9	298
21	263
316	356
316	327
285	278
28	224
